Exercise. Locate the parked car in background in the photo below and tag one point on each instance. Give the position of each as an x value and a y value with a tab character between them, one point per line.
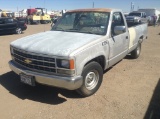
10	25
136	17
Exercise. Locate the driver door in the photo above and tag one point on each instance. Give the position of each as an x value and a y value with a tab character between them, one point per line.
118	43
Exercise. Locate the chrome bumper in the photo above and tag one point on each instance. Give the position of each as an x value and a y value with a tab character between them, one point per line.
70	83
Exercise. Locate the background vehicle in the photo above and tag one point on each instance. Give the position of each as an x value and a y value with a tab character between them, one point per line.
80	46
20	14
10	25
38	15
6	13
149	13
136	17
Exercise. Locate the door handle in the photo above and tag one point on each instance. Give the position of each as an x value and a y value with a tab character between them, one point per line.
126	37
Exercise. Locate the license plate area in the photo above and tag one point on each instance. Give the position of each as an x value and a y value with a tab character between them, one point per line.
27	79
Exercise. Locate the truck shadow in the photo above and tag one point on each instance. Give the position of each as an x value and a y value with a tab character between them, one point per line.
128	57
153	111
40	93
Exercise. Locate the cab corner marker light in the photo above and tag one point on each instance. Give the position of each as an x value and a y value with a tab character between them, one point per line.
71	64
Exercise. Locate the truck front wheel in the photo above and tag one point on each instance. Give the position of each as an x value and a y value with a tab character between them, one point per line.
92	79
136	52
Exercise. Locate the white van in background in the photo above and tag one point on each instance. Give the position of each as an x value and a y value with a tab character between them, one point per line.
149	13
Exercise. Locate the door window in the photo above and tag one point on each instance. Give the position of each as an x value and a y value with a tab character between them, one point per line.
9	21
117	20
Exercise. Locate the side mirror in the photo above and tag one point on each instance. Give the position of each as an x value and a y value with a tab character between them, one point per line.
119	30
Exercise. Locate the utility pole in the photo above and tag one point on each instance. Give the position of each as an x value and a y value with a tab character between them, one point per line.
132	6
18	12
17	9
93	5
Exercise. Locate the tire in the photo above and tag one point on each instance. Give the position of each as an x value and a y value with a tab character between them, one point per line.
136	52
148	22
29	22
92	78
37	22
45	22
18	31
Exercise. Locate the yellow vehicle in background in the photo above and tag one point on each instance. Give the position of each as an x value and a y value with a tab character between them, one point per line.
6	13
38	15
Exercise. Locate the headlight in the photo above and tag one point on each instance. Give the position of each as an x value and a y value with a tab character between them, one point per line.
63	63
136	18
65	67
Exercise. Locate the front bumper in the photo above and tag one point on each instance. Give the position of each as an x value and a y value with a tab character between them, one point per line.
70	83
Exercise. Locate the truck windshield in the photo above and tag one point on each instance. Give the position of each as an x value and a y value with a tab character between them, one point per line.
83	22
135	14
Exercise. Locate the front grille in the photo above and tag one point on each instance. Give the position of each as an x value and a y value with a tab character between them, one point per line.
34	61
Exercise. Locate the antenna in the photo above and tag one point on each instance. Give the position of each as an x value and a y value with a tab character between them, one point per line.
132	6
44	24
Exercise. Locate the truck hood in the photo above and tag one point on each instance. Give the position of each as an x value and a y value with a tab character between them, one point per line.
57	43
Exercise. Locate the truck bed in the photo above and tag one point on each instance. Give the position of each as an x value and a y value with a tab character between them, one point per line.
137	32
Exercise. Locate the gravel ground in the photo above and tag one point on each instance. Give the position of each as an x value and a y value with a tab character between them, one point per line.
130	90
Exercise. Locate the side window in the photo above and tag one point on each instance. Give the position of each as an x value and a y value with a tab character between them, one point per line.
9	21
141	15
117	20
145	15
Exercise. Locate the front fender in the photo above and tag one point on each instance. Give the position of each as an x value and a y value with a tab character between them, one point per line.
89	54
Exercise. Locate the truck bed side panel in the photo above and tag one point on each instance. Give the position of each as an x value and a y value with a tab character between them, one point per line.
137	34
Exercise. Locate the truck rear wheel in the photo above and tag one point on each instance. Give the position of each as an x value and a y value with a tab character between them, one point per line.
92	79
136	52
37	22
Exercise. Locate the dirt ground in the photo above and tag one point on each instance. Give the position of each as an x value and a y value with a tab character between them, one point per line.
130	90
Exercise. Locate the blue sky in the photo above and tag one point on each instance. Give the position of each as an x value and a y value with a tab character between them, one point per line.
125	5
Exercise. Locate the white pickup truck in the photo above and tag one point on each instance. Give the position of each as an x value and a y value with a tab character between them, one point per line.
76	51
137	17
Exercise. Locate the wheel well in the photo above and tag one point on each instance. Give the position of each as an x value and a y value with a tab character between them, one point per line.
100	60
141	39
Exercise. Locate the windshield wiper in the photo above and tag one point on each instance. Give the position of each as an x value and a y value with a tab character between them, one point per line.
59	28
89	32
73	30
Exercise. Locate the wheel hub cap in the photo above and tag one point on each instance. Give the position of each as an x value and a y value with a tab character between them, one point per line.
91	80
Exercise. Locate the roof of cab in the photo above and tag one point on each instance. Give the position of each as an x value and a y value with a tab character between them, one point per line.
92	10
